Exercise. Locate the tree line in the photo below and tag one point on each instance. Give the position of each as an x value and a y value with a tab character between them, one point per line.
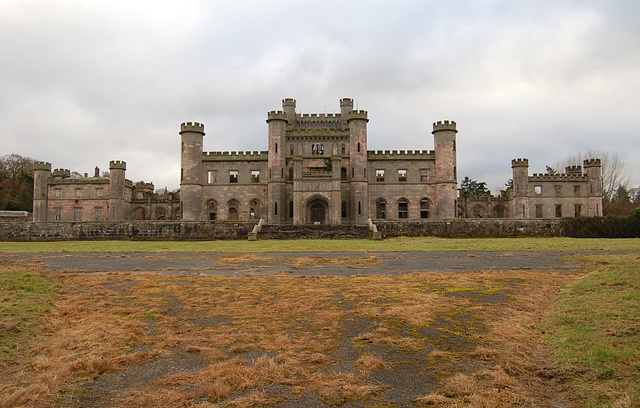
16	183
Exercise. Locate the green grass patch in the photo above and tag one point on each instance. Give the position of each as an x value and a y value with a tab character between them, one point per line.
595	327
403	244
25	298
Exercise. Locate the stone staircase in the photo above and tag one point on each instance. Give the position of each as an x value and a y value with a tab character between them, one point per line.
287	231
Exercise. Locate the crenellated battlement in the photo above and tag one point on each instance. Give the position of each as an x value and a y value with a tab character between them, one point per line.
62	173
42	166
401	155
192	127
557	177
444	125
358	115
276	115
573	169
346	102
117	164
288	102
520	163
592	163
247	155
141	185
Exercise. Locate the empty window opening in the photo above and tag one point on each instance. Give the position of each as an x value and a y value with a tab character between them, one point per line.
537	190
578	210
425	208
380	175
402	175
576	190
211	176
255	176
403	208
425	177
344	209
381	209
558	211
538	210
233	176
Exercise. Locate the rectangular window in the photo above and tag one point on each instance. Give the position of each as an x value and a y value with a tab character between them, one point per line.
576	190
211	177
538	210
402	175
558	211
78	192
77	214
98	192
233	176
538	190
98	213
425	177
578	210
255	176
558	190
379	175
57	214
58	193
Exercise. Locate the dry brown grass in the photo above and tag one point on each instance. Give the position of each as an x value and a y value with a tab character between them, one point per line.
251	333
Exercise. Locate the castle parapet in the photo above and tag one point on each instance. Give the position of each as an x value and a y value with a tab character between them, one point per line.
557	177
400	155
573	169
276	115
592	163
444	125
42	166
141	185
61	173
192	127
117	164
247	155
358	115
520	163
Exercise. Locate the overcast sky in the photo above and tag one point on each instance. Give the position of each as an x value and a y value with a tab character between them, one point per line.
85	82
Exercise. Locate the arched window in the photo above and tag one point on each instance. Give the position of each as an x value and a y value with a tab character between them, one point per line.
344	149
381	208
291	150
212	209
343	173
290	173
234	210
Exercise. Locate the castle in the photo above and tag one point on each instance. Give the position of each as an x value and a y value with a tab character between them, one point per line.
317	170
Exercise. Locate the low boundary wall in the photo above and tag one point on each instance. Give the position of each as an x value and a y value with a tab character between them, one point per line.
472	228
132	230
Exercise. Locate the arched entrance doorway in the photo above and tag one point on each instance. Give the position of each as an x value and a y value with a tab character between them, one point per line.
317	212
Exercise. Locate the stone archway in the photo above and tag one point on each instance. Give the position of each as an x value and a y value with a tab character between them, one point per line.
318	211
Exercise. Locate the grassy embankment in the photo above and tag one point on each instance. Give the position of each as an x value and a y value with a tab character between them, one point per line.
407	244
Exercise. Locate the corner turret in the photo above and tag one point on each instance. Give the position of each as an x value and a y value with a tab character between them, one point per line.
41	172
446	171
191	134
289	108
117	208
520	187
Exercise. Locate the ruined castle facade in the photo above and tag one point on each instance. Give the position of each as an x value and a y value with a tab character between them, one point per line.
317	170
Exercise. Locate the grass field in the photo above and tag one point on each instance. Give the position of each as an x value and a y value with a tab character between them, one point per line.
407	244
470	339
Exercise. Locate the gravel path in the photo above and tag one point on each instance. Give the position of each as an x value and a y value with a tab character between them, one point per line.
307	264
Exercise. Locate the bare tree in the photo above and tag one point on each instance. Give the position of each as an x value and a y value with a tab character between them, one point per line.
615	172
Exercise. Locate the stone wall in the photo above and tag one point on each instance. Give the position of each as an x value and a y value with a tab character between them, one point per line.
210	230
134	230
471	228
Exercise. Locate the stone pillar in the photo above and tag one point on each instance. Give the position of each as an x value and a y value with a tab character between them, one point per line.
446	177
192	134
41	173
298	209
